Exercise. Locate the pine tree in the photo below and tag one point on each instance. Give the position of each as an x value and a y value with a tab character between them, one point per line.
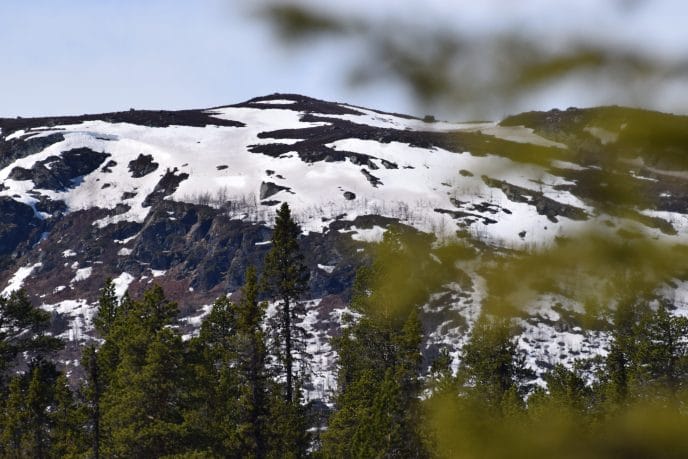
14	420
662	351
215	390
621	374
67	419
286	279
108	304
568	393
23	330
377	406
251	355
491	366
142	407
93	390
39	397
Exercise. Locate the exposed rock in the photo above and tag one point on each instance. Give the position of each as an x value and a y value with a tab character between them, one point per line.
59	173
371	178
15	226
109	165
167	185
467	217
270	202
142	166
22	147
268	189
543	205
150	118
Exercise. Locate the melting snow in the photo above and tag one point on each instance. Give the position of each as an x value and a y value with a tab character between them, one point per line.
17	280
82	274
121	283
373	234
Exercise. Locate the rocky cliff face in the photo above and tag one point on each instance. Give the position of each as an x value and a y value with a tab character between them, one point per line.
186	199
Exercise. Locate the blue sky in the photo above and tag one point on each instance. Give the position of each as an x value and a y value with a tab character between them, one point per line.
78	56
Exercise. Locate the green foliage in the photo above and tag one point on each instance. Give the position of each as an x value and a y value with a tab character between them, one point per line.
92	389
107	308
14	419
23	330
253	377
451	68
633	407
288	424
68	419
141	407
663	350
285	279
214	389
378	408
491	369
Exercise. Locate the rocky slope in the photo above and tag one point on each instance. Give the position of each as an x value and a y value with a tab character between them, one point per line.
186	199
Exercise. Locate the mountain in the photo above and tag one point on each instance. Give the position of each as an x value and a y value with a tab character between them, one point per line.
186	199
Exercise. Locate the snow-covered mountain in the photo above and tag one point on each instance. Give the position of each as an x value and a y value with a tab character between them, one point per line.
187	198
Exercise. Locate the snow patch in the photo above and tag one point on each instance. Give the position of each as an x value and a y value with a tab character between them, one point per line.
374	234
82	274
121	283
275	101
327	268
80	313
17	280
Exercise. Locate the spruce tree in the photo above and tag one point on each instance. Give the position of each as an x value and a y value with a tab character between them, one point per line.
491	366
23	331
14	420
93	390
377	405
68	422
251	356
107	308
286	280
142	406
39	397
662	352
215	391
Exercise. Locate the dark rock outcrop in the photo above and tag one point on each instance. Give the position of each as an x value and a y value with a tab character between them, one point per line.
142	166
268	189
59	173
16	226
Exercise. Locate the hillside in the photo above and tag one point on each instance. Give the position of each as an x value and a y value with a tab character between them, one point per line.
187	200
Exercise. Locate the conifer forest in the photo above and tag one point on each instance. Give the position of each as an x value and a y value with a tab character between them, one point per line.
235	389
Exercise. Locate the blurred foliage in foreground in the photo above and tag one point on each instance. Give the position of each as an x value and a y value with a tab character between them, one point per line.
627	402
630	402
634	407
455	70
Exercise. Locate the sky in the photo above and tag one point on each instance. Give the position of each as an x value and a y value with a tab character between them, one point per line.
79	56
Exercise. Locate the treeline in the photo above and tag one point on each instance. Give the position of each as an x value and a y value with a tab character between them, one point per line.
235	389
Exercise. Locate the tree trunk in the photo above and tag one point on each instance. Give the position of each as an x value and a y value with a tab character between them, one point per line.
287	349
